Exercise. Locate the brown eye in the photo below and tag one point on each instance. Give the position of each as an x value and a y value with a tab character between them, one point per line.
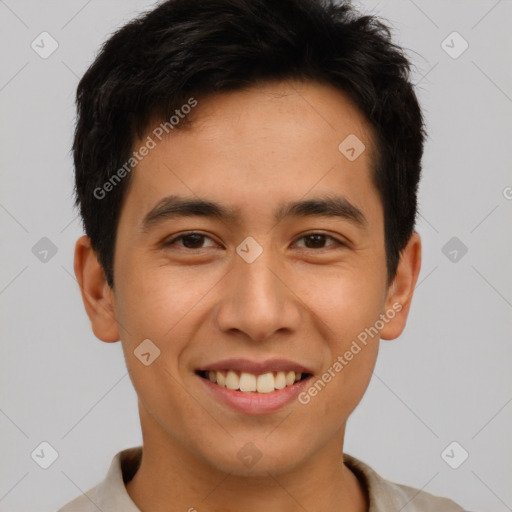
318	240
194	241
189	241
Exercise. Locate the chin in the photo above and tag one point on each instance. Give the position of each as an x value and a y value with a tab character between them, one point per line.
257	459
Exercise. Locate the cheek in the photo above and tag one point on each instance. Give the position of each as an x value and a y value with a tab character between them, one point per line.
348	303
159	308
335	393
347	299
153	300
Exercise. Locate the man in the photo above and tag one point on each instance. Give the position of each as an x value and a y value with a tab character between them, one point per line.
246	171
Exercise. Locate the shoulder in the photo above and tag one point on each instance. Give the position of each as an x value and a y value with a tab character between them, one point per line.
421	501
110	494
385	495
84	503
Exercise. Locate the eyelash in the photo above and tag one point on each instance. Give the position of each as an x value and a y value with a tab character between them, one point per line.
182	236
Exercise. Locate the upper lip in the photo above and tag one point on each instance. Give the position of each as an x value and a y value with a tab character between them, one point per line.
255	367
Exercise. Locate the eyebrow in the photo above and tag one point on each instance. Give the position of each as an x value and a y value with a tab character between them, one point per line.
172	207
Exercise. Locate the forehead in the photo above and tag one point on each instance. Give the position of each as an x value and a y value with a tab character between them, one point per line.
283	114
248	147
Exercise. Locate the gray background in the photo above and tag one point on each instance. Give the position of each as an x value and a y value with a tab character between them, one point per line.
446	379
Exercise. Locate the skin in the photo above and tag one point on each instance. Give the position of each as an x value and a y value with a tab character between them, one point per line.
249	150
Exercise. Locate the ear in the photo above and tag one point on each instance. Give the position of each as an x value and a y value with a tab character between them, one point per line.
402	288
97	295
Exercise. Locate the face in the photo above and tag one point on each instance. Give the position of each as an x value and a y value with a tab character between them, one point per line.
250	251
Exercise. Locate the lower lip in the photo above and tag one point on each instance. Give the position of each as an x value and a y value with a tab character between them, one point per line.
256	403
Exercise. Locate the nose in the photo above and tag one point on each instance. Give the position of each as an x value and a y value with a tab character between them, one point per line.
258	299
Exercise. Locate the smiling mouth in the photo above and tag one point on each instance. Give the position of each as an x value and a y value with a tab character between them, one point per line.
251	383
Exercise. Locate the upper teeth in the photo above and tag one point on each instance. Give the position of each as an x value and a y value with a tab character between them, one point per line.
247	382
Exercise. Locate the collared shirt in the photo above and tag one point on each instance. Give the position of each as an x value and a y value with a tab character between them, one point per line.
110	495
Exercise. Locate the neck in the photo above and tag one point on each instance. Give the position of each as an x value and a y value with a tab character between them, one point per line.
171	478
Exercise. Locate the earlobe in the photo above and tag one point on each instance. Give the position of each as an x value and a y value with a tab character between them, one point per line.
97	296
402	288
